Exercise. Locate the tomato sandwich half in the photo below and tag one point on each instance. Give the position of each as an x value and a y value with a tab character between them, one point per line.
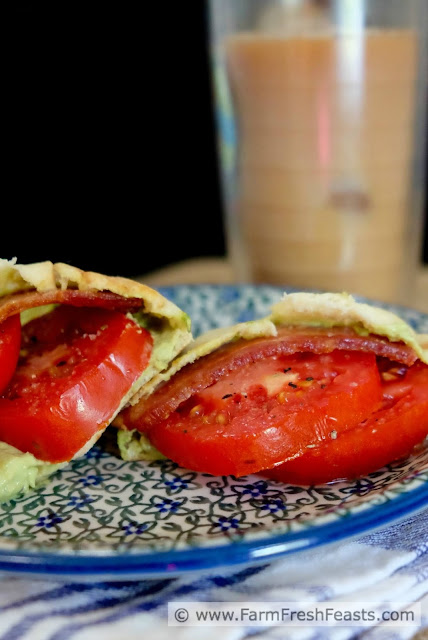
75	347
324	388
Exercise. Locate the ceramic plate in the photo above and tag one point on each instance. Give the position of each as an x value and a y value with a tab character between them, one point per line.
102	517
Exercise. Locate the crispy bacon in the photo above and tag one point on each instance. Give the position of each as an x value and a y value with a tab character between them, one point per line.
199	375
16	302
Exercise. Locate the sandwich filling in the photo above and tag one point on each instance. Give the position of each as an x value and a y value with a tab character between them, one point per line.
75	347
322	378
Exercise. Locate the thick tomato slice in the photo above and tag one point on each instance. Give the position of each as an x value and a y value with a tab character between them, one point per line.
388	434
269	411
76	365
10	342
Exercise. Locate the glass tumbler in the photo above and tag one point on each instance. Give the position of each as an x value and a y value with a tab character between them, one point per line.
321	109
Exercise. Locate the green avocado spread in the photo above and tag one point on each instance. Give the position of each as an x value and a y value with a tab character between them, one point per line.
20	472
135	446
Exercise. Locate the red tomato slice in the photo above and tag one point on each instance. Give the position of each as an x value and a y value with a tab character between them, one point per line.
76	366
10	342
390	433
238	354
269	411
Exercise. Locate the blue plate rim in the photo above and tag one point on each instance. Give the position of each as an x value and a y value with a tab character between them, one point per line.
152	564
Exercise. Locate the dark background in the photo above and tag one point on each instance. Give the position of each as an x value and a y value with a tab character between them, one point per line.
111	151
110	147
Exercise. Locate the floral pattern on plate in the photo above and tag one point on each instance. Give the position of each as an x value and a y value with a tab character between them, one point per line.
100	503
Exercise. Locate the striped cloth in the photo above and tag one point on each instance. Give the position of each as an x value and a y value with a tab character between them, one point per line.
388	565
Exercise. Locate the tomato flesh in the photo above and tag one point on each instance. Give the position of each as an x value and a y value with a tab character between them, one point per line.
76	365
388	434
269	411
10	341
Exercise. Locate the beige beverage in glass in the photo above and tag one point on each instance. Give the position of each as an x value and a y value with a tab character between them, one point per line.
325	121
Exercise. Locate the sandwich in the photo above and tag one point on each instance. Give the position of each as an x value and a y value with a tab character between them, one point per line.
324	388
75	348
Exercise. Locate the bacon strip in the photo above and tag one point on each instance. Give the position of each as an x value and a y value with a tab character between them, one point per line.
202	373
16	302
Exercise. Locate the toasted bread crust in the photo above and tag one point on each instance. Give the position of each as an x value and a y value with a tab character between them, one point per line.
341	309
45	276
298	309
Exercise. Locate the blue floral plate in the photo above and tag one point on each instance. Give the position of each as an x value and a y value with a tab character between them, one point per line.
102	517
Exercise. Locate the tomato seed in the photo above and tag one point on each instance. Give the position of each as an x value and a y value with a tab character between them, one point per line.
388	377
281	397
197	410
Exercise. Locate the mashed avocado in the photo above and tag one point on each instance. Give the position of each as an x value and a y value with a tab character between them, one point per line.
20	472
135	446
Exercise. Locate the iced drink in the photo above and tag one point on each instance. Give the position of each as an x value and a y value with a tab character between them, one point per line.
325	136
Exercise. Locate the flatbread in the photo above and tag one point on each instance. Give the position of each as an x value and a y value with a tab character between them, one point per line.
342	310
297	309
45	276
300	309
169	325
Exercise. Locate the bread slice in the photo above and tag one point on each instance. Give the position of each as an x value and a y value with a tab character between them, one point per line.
168	325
